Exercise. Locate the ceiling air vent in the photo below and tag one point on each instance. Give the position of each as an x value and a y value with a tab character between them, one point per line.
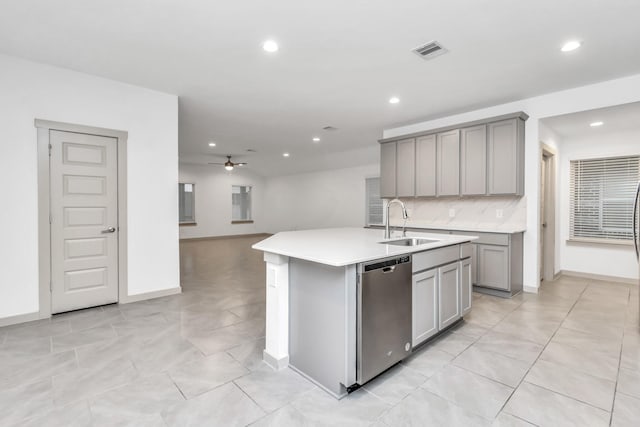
430	50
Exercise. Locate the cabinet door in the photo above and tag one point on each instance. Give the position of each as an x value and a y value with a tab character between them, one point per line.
473	161
465	286
426	166
424	307
493	266
448	166
448	294
405	168
503	157
388	170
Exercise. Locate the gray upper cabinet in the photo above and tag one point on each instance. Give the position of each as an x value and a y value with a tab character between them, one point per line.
484	157
473	161
506	157
405	168
425	166
388	170
448	163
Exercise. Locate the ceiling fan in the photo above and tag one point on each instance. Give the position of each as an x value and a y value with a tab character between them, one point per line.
229	165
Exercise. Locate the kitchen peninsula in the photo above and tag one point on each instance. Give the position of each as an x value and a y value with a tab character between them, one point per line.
334	297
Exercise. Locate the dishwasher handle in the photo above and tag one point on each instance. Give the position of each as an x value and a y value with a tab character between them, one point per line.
388	270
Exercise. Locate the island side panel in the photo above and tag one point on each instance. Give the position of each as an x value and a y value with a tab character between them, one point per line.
276	352
322	323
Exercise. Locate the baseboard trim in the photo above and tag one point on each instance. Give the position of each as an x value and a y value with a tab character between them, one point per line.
150	295
275	363
616	279
530	289
19	318
230	236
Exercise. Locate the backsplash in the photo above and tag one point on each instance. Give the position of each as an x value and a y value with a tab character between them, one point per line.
478	212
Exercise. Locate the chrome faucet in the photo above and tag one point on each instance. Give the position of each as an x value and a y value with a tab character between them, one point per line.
387	233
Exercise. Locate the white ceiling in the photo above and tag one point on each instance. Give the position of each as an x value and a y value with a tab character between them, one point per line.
620	118
338	64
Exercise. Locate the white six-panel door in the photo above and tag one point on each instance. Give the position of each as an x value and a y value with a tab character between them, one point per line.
84	220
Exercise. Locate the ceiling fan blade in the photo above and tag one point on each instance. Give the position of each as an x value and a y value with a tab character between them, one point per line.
240	164
222	164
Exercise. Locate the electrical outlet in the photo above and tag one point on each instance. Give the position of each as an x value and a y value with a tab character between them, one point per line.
409	213
499	213
452	213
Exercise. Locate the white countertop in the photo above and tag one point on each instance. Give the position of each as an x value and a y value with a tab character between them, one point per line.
344	246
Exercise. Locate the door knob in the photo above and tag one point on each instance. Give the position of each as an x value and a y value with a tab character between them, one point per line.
109	230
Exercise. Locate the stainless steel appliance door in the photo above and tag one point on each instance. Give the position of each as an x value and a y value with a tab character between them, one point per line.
384	318
636	223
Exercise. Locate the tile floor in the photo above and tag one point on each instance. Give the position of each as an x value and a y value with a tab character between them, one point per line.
567	356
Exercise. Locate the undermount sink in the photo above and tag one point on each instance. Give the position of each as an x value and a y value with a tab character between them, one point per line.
409	241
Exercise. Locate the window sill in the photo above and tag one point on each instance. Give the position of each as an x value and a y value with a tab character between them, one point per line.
243	221
599	242
187	224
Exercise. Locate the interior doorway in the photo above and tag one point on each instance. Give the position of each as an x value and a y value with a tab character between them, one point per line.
547	217
82	216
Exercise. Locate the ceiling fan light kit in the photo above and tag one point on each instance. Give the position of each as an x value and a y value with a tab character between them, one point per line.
229	165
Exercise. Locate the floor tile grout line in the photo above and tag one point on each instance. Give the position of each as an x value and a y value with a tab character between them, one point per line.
615	390
543	349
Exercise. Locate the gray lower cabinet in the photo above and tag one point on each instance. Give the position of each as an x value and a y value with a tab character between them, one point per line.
388	170
466	293
493	263
424	307
448	163
448	294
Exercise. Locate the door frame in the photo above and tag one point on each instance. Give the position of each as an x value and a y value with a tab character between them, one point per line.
548	255
44	207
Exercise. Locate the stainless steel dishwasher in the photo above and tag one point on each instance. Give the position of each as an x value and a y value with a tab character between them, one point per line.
383	316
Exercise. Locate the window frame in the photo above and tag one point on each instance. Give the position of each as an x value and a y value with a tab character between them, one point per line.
250	210
181	187
607	239
367	204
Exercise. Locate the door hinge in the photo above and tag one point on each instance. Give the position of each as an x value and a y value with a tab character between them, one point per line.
50	219
50	150
50	286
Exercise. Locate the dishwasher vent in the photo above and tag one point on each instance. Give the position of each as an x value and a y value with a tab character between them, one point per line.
429	50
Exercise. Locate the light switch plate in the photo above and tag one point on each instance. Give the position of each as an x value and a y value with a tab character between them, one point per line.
452	213
499	213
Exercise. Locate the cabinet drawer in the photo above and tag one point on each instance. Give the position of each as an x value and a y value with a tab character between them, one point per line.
436	257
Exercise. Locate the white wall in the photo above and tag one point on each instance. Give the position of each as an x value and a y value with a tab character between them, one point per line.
333	198
213	200
609	93
28	91
608	260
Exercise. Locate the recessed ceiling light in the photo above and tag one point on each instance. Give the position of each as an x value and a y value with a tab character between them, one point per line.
270	46
212	144
285	154
316	139
571	45
394	100
596	124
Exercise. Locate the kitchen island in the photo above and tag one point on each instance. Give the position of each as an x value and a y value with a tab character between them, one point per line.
315	304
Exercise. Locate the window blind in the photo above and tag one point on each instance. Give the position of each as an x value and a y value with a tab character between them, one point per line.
601	195
374	204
